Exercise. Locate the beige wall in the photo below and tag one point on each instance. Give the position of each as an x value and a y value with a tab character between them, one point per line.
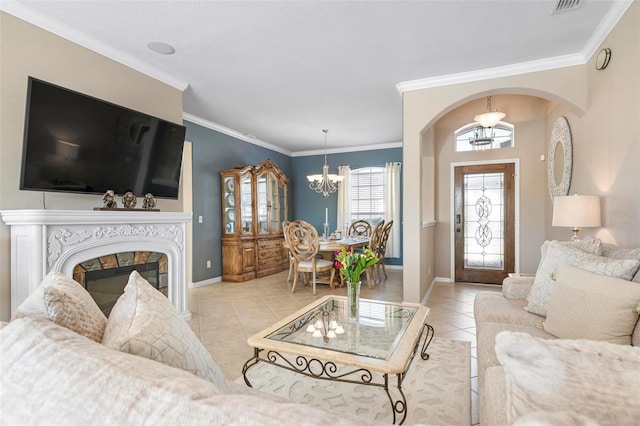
29	51
604	112
606	139
528	115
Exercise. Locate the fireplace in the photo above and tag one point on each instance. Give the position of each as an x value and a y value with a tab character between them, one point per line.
61	240
105	277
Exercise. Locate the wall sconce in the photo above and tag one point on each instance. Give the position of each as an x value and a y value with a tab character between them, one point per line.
576	211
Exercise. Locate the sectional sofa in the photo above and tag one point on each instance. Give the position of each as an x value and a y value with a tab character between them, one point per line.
63	362
561	347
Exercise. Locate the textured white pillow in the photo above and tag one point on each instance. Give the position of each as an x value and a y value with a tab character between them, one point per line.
590	306
599	380
66	303
588	245
143	322
559	254
610	250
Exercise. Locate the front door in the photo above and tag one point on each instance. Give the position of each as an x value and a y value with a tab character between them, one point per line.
484	217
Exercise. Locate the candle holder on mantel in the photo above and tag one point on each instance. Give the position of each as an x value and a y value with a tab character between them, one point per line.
325	231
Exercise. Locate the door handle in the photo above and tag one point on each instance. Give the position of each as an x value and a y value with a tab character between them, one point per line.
458	229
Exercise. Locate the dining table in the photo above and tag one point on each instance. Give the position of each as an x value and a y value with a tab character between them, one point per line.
328	248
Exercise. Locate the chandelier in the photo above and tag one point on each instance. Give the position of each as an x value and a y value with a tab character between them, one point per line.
325	183
489	118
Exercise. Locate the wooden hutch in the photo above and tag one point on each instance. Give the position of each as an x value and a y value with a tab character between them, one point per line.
254	205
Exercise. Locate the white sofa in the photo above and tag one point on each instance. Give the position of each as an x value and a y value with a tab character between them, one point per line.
527	375
56	370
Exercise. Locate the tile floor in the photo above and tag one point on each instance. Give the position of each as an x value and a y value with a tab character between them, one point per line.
225	314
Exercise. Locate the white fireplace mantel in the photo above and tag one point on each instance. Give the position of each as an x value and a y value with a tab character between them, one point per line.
57	240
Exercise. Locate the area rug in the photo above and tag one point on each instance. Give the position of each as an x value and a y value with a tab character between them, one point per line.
438	390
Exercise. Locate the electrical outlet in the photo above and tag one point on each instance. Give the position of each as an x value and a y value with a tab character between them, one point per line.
199	219
208	264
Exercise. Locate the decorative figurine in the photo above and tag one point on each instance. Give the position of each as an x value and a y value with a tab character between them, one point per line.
129	200
108	200
149	202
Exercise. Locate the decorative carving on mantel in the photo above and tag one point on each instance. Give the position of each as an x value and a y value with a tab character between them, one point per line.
64	237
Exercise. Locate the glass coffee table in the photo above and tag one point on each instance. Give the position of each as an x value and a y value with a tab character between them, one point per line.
384	340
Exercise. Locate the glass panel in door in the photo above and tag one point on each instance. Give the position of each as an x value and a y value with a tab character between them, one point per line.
262	203
245	204
484	222
282	203
274	206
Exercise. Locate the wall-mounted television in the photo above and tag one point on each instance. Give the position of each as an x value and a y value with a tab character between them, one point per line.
77	143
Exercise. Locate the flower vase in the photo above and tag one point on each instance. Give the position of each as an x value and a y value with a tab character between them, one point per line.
353	301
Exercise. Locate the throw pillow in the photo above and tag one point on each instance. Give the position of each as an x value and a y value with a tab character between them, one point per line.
590	306
65	302
559	254
610	250
143	322
599	380
588	245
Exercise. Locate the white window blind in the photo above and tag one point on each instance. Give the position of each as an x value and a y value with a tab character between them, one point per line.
368	194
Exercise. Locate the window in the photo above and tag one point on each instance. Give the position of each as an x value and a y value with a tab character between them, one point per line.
367	194
474	137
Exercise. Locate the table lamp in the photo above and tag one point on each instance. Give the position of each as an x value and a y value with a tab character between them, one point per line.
576	211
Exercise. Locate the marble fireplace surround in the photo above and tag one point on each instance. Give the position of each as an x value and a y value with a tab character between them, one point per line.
57	240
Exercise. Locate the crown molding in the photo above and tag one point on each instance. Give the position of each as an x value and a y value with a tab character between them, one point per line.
21	11
347	149
616	12
489	73
233	133
614	15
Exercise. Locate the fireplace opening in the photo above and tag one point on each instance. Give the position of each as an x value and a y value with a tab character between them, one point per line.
106	285
105	277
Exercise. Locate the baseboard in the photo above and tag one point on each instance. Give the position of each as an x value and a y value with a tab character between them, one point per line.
426	295
205	282
395	267
443	280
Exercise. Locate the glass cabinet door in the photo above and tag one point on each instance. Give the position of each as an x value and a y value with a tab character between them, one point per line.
274	205
246	211
261	198
282	203
228	203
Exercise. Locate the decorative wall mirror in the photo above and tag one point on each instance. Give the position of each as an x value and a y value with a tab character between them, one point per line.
560	159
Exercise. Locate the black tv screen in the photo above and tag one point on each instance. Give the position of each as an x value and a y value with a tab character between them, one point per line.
77	143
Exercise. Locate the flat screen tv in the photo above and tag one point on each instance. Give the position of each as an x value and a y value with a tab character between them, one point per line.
77	143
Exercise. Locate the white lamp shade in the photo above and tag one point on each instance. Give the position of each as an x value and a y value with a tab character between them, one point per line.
489	119
576	211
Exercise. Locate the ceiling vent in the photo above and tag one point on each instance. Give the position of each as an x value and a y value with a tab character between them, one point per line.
566	5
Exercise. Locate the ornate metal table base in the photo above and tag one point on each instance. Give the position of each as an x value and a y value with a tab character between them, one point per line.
318	369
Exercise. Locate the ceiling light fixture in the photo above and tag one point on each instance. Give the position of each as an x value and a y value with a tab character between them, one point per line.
489	118
160	47
325	183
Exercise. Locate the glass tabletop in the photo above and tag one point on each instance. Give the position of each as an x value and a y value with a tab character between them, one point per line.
376	334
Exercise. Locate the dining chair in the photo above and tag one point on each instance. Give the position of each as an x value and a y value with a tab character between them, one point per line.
374	243
382	247
285	224
304	244
359	228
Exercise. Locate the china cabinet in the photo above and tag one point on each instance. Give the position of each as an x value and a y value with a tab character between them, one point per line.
254	205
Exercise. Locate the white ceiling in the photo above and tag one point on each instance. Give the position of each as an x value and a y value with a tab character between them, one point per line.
284	70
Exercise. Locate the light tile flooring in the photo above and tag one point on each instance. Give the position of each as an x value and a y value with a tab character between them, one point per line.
225	314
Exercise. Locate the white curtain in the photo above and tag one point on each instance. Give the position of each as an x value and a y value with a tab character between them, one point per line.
344	197
392	207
